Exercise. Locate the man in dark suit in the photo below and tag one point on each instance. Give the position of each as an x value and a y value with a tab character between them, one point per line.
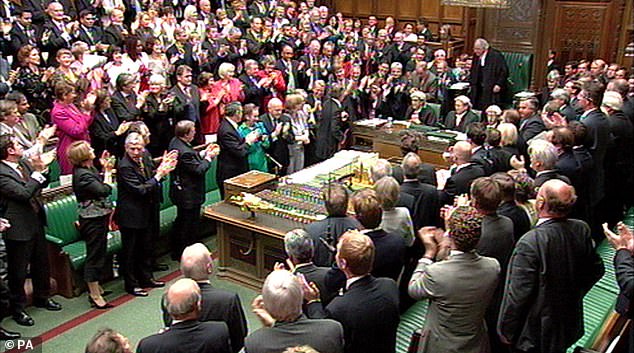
331	125
21	184
426	203
597	142
289	67
382	168
543	158
280	310
531	123
107	133
488	75
232	159
22	32
187	185
115	33
542	305
496	241
188	335
182	51
300	248
253	91
55	34
365	299
325	233
461	174
137	213
217	304
277	125
125	103
90	33
186	104
508	207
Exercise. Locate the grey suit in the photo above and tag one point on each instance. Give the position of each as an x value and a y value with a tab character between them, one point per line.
324	335
460	290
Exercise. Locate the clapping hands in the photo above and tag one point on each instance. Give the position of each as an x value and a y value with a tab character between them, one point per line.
623	240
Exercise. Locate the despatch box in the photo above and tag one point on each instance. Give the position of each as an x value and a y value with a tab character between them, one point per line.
251	182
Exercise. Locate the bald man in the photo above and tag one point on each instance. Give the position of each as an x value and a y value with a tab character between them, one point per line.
277	124
217	304
187	334
553	266
463	172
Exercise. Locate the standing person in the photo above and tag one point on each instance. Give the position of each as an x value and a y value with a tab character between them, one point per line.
460	287
186	104
21	184
542	306
298	134
331	124
137	214
72	121
278	127
623	243
488	75
365	299
257	156
232	159
187	185
94	212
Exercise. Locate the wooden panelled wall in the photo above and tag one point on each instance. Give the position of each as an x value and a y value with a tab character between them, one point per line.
580	29
406	11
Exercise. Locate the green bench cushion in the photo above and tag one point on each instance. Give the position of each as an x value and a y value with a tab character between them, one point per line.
61	216
412	320
520	67
77	250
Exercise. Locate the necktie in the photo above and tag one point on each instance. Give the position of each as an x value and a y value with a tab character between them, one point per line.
142	167
290	86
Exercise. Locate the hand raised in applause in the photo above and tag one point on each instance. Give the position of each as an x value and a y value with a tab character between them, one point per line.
257	306
311	292
623	240
168	163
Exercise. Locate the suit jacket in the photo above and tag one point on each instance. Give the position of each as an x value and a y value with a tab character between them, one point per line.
278	147
102	134
220	305
329	230
368	312
427	207
460	289
598	141
89	35
252	93
89	185
426	174
624	271
467	119
389	255
232	160
552	267
529	128
112	35
20	203
460	182
125	107
189	337
187	184
286	71
324	335
52	41
329	132
521	222
318	275
139	193
186	107
21	37
544	176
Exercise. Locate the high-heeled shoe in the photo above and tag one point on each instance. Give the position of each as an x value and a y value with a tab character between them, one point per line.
94	304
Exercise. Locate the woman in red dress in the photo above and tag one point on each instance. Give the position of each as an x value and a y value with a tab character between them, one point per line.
218	94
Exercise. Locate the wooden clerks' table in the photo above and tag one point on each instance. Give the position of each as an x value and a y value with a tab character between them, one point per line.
248	248
387	142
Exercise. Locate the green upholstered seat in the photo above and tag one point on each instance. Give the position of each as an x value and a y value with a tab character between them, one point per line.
436	108
412	320
62	231
520	69
210	183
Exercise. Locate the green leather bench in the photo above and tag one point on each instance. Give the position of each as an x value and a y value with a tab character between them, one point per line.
520	67
68	250
598	305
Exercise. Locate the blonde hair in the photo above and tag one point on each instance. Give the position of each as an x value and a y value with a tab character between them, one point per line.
79	152
509	134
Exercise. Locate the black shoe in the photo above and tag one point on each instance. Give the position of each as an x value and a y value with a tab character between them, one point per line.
160	267
106	292
138	292
22	318
153	284
8	335
48	304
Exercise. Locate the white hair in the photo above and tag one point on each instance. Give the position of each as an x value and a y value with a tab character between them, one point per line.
282	295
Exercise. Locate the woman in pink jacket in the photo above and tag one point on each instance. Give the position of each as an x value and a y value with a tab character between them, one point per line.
72	121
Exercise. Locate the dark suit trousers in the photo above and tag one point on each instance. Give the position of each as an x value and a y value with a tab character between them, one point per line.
136	258
185	229
95	232
19	255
